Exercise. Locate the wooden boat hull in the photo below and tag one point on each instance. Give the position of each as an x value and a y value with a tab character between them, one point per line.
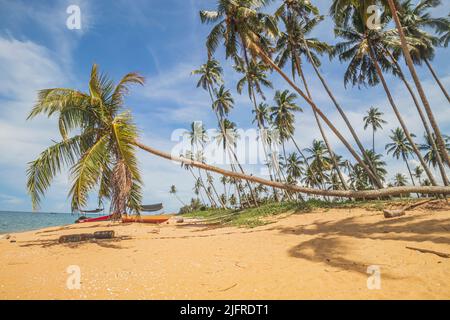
146	219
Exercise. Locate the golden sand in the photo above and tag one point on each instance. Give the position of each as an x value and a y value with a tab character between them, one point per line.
320	255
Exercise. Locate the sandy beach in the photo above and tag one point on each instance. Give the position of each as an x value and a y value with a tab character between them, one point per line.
318	255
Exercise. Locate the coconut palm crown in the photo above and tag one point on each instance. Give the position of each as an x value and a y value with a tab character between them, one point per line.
97	136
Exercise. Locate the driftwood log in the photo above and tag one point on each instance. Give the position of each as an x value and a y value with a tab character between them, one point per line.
86	236
401	212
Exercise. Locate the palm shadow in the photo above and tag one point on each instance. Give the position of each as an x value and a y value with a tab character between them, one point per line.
327	247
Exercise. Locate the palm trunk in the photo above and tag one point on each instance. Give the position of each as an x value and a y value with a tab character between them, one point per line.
322	132
377	181
373	140
363	194
234	155
267	59
400	118
178	198
423	97
410	174
308	167
422	117
409	171
444	91
195	179
263	142
208	194
215	191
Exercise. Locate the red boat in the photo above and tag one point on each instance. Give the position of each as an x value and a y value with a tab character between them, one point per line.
102	218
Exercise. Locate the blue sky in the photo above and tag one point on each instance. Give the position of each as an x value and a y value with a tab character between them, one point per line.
164	41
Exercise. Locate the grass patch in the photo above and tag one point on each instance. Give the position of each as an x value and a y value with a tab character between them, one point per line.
254	217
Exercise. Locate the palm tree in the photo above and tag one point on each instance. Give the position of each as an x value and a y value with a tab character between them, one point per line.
400	147
282	115
418	171
431	156
375	120
398	71
255	77
173	190
241	24
224	181
320	162
197	137
100	153
221	98
378	163
293	166
292	44
365	50
400	180
423	97
210	76
415	19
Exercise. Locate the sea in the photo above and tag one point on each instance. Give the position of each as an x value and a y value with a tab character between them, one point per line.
25	221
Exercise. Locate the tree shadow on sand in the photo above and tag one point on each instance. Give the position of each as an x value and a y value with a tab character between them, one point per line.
328	248
105	243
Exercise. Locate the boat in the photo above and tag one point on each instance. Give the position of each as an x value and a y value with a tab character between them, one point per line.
145	219
102	218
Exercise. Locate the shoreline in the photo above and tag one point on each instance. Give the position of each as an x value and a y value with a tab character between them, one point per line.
324	254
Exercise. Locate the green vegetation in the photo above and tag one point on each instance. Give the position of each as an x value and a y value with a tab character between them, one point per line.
255	217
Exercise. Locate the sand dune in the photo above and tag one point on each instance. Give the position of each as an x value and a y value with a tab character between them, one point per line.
320	255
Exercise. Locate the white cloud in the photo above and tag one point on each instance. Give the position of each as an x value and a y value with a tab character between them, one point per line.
25	68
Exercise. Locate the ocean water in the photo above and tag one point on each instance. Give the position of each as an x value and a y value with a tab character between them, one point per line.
25	221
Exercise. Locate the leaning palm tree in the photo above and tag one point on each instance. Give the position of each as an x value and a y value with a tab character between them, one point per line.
416	21
97	136
241	24
344	11
365	49
398	71
292	45
293	42
374	119
400	147
418	84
